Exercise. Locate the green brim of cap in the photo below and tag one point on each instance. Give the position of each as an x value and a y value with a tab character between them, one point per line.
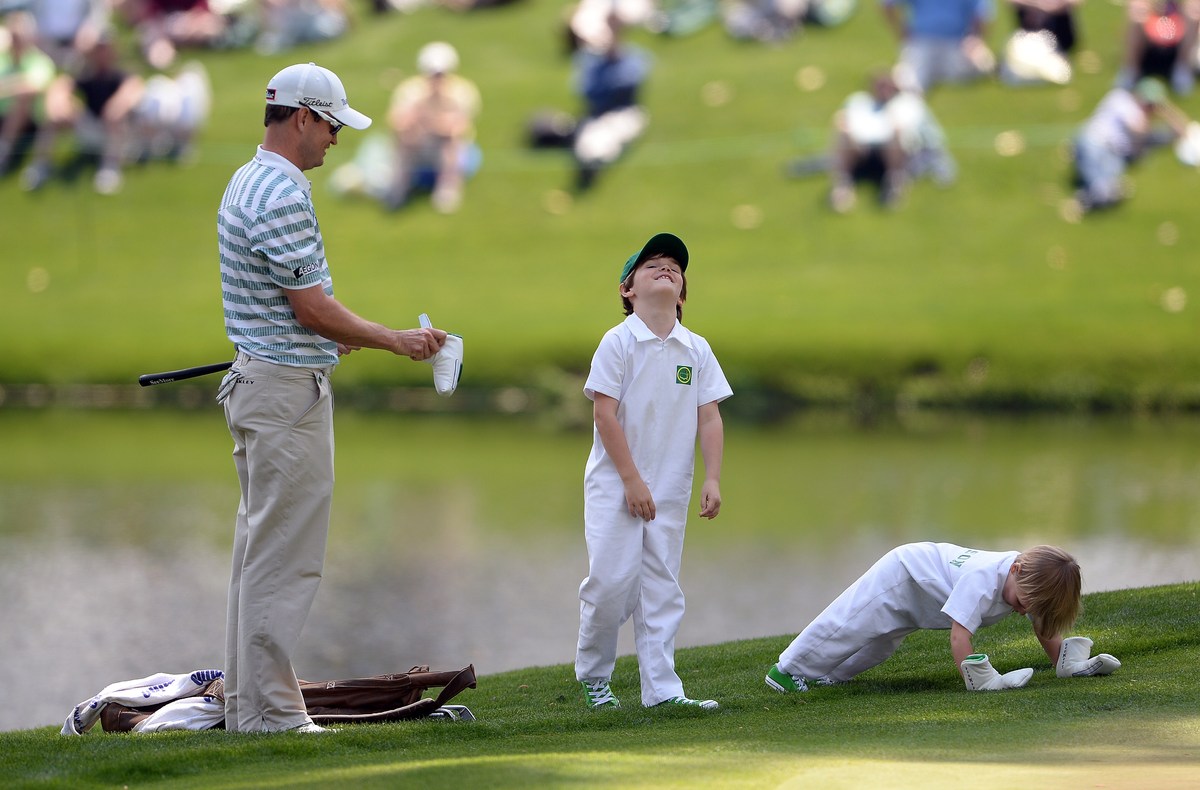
660	244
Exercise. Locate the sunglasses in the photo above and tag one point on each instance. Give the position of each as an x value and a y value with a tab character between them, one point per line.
334	126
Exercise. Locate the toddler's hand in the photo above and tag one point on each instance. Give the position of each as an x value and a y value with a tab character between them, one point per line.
710	500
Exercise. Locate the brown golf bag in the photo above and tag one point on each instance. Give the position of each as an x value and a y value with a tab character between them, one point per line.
375	699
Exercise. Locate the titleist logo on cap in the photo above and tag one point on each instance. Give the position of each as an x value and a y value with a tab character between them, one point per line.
312	101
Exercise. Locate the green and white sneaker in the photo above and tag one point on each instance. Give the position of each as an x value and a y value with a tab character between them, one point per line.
597	694
706	704
785	683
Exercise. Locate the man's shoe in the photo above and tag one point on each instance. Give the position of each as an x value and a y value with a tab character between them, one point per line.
785	683
597	694
706	704
311	727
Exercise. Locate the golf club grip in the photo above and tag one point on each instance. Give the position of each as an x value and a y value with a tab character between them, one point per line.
187	373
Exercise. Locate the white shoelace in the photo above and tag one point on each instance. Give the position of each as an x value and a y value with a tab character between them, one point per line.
599	693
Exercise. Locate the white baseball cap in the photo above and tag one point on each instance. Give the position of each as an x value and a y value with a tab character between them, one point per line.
437	57
309	85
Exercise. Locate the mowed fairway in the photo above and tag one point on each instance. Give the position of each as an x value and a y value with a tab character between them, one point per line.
982	293
908	723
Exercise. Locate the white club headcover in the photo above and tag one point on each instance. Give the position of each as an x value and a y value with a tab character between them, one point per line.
979	675
447	365
1075	659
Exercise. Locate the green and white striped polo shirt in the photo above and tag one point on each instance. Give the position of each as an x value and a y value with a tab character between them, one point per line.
269	241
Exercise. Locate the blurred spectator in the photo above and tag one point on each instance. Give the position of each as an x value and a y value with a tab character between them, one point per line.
98	105
68	28
885	136
942	40
589	24
866	146
1040	48
171	112
609	80
1117	134
763	20
1161	41
164	26
286	23
432	116
777	20
25	74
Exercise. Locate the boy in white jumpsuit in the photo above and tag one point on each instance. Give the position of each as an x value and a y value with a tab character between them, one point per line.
943	586
655	388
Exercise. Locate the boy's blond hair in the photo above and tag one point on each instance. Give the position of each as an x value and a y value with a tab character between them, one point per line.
1050	582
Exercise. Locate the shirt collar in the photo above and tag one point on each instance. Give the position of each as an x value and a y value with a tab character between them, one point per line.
642	332
272	159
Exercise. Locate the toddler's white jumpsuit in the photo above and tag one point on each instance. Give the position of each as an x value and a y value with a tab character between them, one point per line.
914	586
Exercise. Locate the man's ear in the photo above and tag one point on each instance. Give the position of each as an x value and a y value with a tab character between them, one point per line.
303	117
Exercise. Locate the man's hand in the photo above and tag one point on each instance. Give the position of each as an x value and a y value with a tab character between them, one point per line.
419	344
1075	660
979	675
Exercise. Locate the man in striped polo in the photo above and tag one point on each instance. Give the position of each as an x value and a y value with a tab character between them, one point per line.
288	330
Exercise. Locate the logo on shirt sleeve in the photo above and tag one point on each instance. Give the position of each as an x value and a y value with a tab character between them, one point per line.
683	374
302	271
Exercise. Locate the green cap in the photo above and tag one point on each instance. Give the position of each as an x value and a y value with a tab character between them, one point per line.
1150	90
660	244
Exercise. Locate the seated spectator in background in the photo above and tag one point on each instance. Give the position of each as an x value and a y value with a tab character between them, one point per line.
763	20
777	20
286	23
1039	49
165	26
98	104
172	111
1117	134
886	136
610	81
25	74
1160	41
589	24
942	40
68	28
866	146
432	116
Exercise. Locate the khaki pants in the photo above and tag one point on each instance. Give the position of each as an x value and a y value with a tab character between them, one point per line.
281	420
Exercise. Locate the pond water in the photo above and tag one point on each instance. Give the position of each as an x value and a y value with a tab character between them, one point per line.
458	540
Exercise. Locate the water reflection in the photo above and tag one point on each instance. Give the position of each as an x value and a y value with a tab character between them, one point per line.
104	580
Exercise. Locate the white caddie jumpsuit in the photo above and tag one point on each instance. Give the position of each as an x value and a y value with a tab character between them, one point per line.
633	565
914	586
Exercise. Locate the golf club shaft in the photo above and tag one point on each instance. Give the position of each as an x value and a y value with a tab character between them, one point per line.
178	375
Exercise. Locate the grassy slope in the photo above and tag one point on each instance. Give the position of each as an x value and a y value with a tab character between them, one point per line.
823	305
907	723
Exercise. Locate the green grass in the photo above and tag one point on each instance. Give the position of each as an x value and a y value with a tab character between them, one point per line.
907	723
980	295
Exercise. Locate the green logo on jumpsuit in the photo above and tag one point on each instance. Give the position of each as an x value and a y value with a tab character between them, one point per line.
683	374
